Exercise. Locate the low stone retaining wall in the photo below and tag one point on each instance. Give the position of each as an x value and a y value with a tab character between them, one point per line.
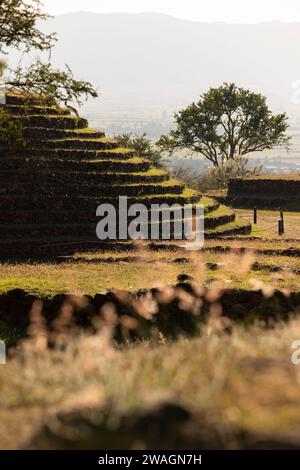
172	312
261	187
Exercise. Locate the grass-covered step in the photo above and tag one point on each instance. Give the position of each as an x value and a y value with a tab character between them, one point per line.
233	228
102	143
17	97
237	227
34	215
46	178
39	233
80	154
134	164
220	216
44	201
45	133
154	175
12	248
17	110
31	216
19	231
82	230
209	204
288	203
97	189
37	216
52	122
138	189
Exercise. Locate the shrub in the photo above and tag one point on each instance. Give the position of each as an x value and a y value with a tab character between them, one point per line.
217	177
233	169
10	130
143	146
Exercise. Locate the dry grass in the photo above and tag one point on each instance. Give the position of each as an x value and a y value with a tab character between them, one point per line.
245	381
276	176
91	273
49	279
267	224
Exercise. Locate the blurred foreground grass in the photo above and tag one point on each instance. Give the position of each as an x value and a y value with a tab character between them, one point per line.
243	382
232	385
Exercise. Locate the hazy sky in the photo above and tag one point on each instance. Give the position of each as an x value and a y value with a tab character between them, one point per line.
237	11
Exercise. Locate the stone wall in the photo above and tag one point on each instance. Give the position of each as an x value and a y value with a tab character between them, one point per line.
264	187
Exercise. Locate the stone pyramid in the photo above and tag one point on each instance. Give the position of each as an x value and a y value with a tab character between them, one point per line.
50	189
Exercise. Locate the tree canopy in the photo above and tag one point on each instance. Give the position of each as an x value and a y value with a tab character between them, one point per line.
18	19
226	123
19	29
57	85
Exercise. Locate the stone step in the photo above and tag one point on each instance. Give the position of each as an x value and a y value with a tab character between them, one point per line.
69	229
238	227
218	221
56	216
44	133
68	244
53	122
15	97
210	204
219	217
19	218
102	143
12	248
39	232
70	154
50	202
40	217
73	227
68	189
40	178
17	110
30	216
134	164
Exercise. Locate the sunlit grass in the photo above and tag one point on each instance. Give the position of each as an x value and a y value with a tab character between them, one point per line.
94	272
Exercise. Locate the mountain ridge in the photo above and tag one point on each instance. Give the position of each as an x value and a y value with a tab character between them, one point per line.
165	15
152	59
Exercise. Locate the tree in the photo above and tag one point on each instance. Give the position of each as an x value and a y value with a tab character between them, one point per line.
43	81
144	147
2	67
18	20
10	128
234	168
226	123
216	177
18	28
